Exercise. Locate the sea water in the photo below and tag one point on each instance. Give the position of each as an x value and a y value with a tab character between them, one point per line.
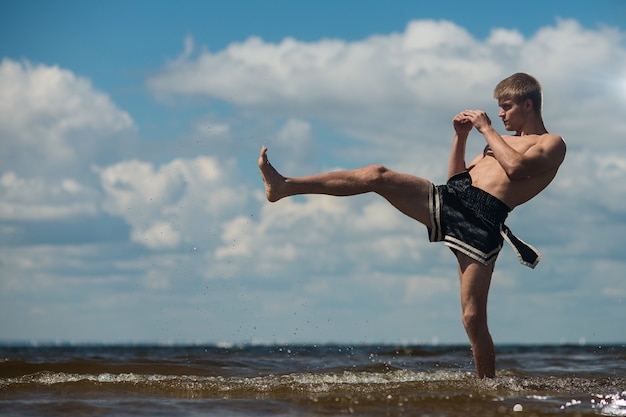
309	380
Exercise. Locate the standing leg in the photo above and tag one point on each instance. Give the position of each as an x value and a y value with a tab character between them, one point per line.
475	280
407	193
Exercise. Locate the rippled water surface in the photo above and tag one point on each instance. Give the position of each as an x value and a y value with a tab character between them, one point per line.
309	381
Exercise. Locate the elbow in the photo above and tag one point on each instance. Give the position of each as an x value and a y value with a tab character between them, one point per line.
517	172
516	176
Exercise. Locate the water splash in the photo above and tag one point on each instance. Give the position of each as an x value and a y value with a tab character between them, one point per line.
607	404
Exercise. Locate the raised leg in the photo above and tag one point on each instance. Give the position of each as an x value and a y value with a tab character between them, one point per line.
475	281
407	193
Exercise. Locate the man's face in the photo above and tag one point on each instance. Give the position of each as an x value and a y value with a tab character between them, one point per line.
512	115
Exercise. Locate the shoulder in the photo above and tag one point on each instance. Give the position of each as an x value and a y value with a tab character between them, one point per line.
546	141
552	147
552	141
551	137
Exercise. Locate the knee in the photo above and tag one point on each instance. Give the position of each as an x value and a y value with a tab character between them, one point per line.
375	174
474	322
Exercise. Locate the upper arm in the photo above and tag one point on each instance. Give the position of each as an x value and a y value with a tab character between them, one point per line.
543	156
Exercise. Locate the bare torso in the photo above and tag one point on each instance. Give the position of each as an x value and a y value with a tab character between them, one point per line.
488	175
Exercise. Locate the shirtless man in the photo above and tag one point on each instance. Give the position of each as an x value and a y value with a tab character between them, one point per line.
468	212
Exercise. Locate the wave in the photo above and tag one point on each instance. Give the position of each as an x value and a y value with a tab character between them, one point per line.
368	381
606	394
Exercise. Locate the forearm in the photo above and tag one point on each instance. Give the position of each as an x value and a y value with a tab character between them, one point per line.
507	157
457	155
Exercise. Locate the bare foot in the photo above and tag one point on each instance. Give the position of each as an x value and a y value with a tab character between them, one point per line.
271	178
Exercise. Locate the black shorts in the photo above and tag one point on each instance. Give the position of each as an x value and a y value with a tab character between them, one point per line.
470	220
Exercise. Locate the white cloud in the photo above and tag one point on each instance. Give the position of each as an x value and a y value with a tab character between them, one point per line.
505	37
50	118
294	144
180	201
331	76
159	235
405	85
328	236
287	234
45	199
294	134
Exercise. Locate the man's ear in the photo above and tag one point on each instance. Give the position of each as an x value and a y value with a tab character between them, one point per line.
528	105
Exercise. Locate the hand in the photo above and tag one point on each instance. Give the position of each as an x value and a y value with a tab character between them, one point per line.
462	124
478	118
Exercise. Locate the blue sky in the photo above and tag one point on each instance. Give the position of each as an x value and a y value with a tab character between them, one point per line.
130	204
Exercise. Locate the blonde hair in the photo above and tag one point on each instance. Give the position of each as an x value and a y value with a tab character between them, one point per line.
520	87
